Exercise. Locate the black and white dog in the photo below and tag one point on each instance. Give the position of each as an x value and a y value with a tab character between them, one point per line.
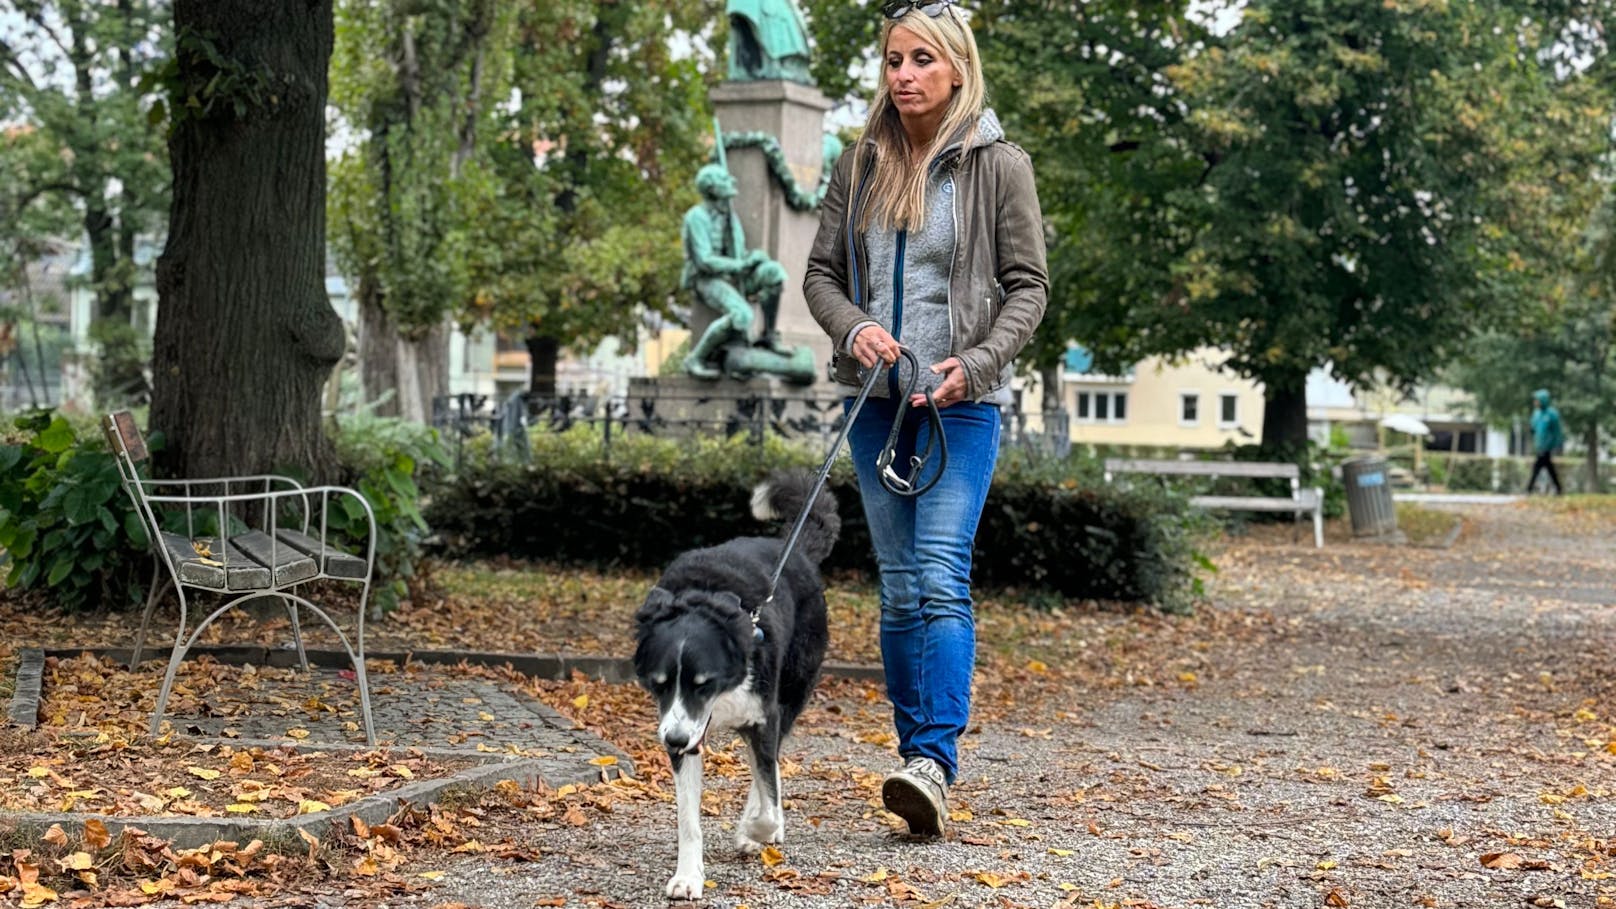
699	657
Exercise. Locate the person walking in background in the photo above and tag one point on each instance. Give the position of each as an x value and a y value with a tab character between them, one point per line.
930	236
1548	433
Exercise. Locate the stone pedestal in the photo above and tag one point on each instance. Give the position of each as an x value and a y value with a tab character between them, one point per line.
683	406
794	114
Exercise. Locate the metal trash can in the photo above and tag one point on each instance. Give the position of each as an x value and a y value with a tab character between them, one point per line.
1369	497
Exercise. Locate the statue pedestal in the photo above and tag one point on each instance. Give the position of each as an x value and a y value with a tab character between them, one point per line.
795	115
684	406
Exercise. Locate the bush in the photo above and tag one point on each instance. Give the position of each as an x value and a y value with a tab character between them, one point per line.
1471	475
66	524
1046	524
382	457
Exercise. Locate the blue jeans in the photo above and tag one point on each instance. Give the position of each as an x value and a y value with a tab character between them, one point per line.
923	547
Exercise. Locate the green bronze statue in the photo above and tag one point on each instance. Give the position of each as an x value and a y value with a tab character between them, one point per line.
767	40
725	277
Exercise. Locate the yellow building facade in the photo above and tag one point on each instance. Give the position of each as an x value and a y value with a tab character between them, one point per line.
1183	402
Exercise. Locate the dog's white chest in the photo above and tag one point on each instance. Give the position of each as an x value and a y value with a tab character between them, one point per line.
736	708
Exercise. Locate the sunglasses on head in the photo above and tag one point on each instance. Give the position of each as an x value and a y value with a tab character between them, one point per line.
897	9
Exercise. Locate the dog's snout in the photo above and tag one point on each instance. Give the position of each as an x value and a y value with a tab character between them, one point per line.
676	739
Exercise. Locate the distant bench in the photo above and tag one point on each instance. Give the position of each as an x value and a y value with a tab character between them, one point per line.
1301	501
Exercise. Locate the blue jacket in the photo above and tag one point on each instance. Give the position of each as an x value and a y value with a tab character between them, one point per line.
1548	433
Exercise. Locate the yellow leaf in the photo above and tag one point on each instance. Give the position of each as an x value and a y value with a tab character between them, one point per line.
1016	822
78	861
1585	716
485	716
206	773
35	894
604	760
1187	678
298	733
432	875
56	836
365	866
1061	852
179	792
581	701
960	814
876	878
241	808
771	856
1325	865
1549	798
311	806
992	880
1068	888
1036	666
38	772
402	772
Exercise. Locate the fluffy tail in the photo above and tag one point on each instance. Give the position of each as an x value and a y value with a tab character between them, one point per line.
780	498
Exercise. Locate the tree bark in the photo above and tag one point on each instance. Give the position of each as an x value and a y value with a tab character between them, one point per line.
542	352
245	332
1591	459
378	354
1284	431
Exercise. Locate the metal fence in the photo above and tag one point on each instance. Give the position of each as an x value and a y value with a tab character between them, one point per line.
812	420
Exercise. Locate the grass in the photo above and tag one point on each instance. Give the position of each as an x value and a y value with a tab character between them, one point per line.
1426	526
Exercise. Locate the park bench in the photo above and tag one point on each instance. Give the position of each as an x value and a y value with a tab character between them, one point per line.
242	539
1300	501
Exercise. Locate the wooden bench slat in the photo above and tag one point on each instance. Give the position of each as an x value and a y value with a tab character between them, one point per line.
289	564
338	564
1252	503
234	572
1203	468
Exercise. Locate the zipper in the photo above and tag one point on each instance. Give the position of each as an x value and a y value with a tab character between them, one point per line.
897	312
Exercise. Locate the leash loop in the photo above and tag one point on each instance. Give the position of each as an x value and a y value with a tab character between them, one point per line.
890	479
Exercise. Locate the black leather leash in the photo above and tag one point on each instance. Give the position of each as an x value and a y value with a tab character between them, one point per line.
901	486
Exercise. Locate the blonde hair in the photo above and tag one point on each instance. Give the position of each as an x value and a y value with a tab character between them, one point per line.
897	196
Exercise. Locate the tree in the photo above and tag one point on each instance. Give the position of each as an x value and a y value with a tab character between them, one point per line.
1358	158
1567	346
415	76
594	167
245	332
75	71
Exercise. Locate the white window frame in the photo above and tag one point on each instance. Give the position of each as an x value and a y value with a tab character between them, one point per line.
1235	421
1186	397
1112	397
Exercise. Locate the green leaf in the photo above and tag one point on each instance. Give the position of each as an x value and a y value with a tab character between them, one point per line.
57	437
60	569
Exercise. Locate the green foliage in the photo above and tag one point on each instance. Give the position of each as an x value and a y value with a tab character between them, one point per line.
384	458
1046	526
82	154
66	525
1471	475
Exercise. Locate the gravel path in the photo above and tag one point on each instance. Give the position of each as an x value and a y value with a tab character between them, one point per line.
1388	728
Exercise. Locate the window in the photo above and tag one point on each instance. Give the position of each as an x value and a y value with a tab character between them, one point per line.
1189	408
1102	406
1228	410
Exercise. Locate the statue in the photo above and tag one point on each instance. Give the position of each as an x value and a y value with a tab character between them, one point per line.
767	40
725	275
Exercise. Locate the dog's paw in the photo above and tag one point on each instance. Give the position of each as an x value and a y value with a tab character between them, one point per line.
685	886
755	833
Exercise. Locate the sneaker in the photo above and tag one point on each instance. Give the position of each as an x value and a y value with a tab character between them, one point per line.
918	793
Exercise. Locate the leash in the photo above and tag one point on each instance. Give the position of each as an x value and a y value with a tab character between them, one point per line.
890	480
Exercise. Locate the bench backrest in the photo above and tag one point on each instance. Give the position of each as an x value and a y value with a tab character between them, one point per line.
1202	468
124	437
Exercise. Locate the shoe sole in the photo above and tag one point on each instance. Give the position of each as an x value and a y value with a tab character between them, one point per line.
907	801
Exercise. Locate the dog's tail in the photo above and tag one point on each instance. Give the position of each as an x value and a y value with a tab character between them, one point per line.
780	498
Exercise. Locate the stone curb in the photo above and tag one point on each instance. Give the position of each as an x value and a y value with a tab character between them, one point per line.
556	666
24	710
195	832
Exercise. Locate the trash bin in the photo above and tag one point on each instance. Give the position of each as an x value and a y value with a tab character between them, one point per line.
1369	497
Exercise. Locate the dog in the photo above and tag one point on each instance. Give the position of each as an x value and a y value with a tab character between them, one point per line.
700	657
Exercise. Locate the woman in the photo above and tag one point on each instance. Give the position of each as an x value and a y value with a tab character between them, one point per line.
930	237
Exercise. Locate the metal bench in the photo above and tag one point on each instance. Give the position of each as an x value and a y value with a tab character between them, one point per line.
244	538
1301	501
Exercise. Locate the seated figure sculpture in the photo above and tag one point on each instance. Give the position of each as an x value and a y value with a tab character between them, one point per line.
725	276
767	40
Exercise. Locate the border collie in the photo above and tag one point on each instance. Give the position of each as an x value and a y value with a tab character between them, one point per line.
699	657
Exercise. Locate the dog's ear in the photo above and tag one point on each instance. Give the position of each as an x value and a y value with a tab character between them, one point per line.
655	606
726	599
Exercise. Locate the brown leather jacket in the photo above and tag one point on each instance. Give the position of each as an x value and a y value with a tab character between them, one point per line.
999	282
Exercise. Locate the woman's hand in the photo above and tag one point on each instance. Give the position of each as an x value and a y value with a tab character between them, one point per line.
952	389
873	344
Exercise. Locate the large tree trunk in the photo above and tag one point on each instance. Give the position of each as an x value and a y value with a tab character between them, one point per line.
415	370
542	352
1284	431
245	332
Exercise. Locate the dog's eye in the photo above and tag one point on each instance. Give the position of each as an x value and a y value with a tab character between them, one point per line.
700	681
